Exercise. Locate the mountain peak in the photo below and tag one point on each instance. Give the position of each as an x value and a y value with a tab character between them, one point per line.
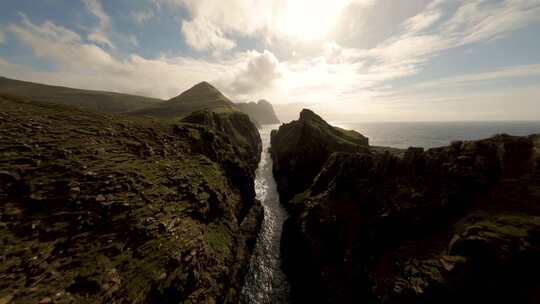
308	115
202	88
204	84
203	92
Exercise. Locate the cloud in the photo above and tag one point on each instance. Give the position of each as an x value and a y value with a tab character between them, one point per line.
422	21
358	75
58	44
2	37
86	65
439	28
260	72
271	20
203	35
100	34
213	21
474	79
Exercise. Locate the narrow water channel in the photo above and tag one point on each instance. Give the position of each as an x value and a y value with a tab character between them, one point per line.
265	281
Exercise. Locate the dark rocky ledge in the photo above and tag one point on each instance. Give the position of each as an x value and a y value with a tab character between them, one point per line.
98	208
300	149
457	224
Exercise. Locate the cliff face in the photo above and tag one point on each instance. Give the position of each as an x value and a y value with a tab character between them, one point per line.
300	148
458	224
261	112
112	209
242	133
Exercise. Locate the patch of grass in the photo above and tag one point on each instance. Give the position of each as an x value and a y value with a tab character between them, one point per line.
219	238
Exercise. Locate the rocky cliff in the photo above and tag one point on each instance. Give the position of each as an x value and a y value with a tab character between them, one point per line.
300	149
260	112
457	224
242	133
98	208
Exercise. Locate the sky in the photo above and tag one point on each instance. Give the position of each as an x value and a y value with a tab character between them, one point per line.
351	60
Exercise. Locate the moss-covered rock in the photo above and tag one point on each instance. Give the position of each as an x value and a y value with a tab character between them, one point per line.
98	208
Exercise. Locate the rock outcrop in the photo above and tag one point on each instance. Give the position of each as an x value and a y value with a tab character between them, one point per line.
242	133
260	112
98	208
457	224
300	149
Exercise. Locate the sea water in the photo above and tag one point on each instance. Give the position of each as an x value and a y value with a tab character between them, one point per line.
435	134
265	281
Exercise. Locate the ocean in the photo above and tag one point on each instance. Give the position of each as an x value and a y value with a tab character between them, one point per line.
435	134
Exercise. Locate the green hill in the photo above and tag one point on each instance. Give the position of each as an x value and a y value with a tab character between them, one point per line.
202	96
101	101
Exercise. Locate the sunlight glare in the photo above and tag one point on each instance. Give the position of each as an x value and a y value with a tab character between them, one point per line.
310	19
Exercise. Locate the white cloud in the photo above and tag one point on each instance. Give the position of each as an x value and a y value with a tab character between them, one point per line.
260	72
422	21
474	79
100	34
476	21
269	20
58	44
2	37
203	35
425	36
89	66
94	6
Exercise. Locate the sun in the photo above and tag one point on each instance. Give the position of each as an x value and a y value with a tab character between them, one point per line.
310	19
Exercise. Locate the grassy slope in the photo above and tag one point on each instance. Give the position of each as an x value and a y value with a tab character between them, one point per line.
99	208
202	96
86	99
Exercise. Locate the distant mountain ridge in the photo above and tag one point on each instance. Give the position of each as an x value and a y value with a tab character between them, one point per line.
202	96
260	112
101	101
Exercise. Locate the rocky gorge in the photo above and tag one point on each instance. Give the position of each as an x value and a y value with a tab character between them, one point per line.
456	224
195	199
